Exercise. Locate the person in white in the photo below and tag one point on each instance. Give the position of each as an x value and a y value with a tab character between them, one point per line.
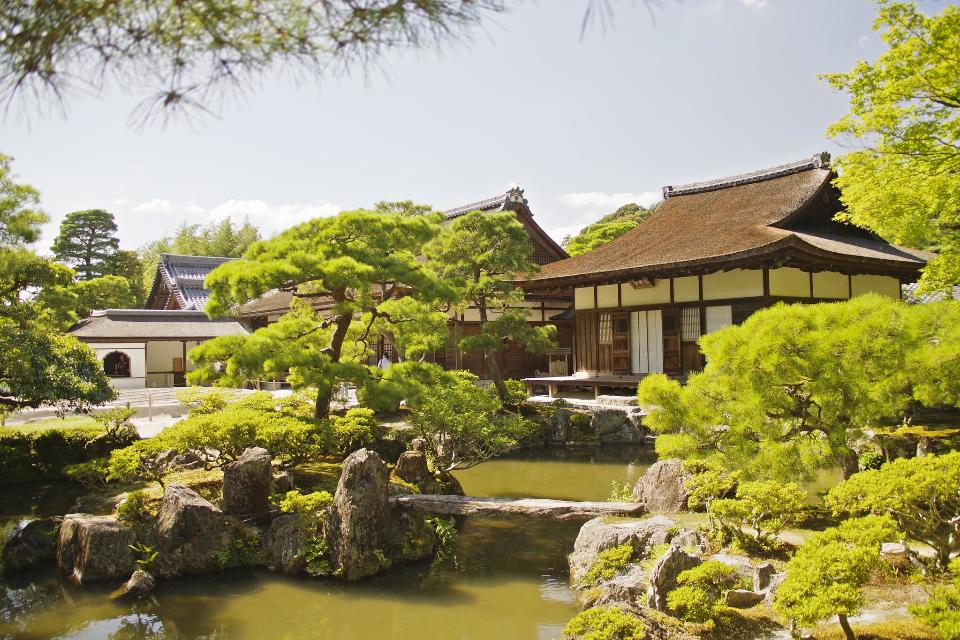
384	362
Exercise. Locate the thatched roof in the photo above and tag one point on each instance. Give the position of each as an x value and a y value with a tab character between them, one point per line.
781	215
152	324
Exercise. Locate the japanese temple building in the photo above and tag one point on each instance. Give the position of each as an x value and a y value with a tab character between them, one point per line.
712	254
515	362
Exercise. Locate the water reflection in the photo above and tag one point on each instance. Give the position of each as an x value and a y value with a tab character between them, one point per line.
508	579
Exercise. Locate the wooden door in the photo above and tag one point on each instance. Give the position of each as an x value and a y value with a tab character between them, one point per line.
671	340
621	343
179	376
605	342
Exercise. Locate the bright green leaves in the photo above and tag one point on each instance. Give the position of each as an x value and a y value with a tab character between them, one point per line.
607	229
87	242
787	391
482	255
20	215
826	575
921	494
905	112
362	268
37	364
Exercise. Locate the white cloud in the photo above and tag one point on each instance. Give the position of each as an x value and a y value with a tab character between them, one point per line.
754	4
600	199
120	202
167	207
269	217
272	217
863	41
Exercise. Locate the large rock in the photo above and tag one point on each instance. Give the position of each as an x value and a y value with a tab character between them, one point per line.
742	598
285	542
29	544
663	577
360	519
626	586
662	489
615	426
247	482
92	548
897	555
597	535
192	534
412	468
741	564
762	575
139	585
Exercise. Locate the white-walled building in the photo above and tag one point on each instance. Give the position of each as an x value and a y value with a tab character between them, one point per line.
148	348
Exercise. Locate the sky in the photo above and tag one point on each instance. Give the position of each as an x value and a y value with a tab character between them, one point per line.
701	90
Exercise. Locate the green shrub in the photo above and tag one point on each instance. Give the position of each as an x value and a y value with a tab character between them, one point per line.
581	426
145	555
91	474
317	556
516	392
355	430
620	492
706	481
605	623
134	510
138	462
942	610
44	455
464	424
826	575
305	503
203	400
700	590
116	421
920	493
767	507
870	459
608	564
404	381
446	531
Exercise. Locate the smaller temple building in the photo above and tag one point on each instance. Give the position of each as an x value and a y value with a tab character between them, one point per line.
712	254
148	348
179	282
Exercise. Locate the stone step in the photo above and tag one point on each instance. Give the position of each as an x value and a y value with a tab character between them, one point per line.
536	507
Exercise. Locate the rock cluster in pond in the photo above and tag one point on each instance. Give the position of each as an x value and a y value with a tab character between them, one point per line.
662	550
663	489
600	426
247	484
93	548
363	530
30	544
191	534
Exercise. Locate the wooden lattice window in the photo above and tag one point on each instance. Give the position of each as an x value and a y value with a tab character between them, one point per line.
690	324
606	328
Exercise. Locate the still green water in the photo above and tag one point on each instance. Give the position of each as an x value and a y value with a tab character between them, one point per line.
508	580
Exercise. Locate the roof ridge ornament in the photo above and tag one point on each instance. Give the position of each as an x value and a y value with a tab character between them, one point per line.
817	161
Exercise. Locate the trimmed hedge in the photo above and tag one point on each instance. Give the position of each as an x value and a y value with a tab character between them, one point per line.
42	455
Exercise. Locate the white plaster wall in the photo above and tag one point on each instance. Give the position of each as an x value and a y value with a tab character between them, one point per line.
788	281
583	298
659	293
607	296
160	355
830	284
883	285
686	289
736	283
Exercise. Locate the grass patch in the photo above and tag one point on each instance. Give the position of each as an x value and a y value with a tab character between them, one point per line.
43	424
888	630
317	476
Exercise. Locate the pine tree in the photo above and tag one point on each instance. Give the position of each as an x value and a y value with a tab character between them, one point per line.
87	242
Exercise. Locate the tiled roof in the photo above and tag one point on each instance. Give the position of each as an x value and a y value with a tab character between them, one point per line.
744	216
912	295
489	204
152	324
184	277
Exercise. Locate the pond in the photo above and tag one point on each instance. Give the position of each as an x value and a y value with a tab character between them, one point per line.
508	580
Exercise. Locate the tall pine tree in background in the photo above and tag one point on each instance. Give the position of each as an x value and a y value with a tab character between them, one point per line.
87	242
